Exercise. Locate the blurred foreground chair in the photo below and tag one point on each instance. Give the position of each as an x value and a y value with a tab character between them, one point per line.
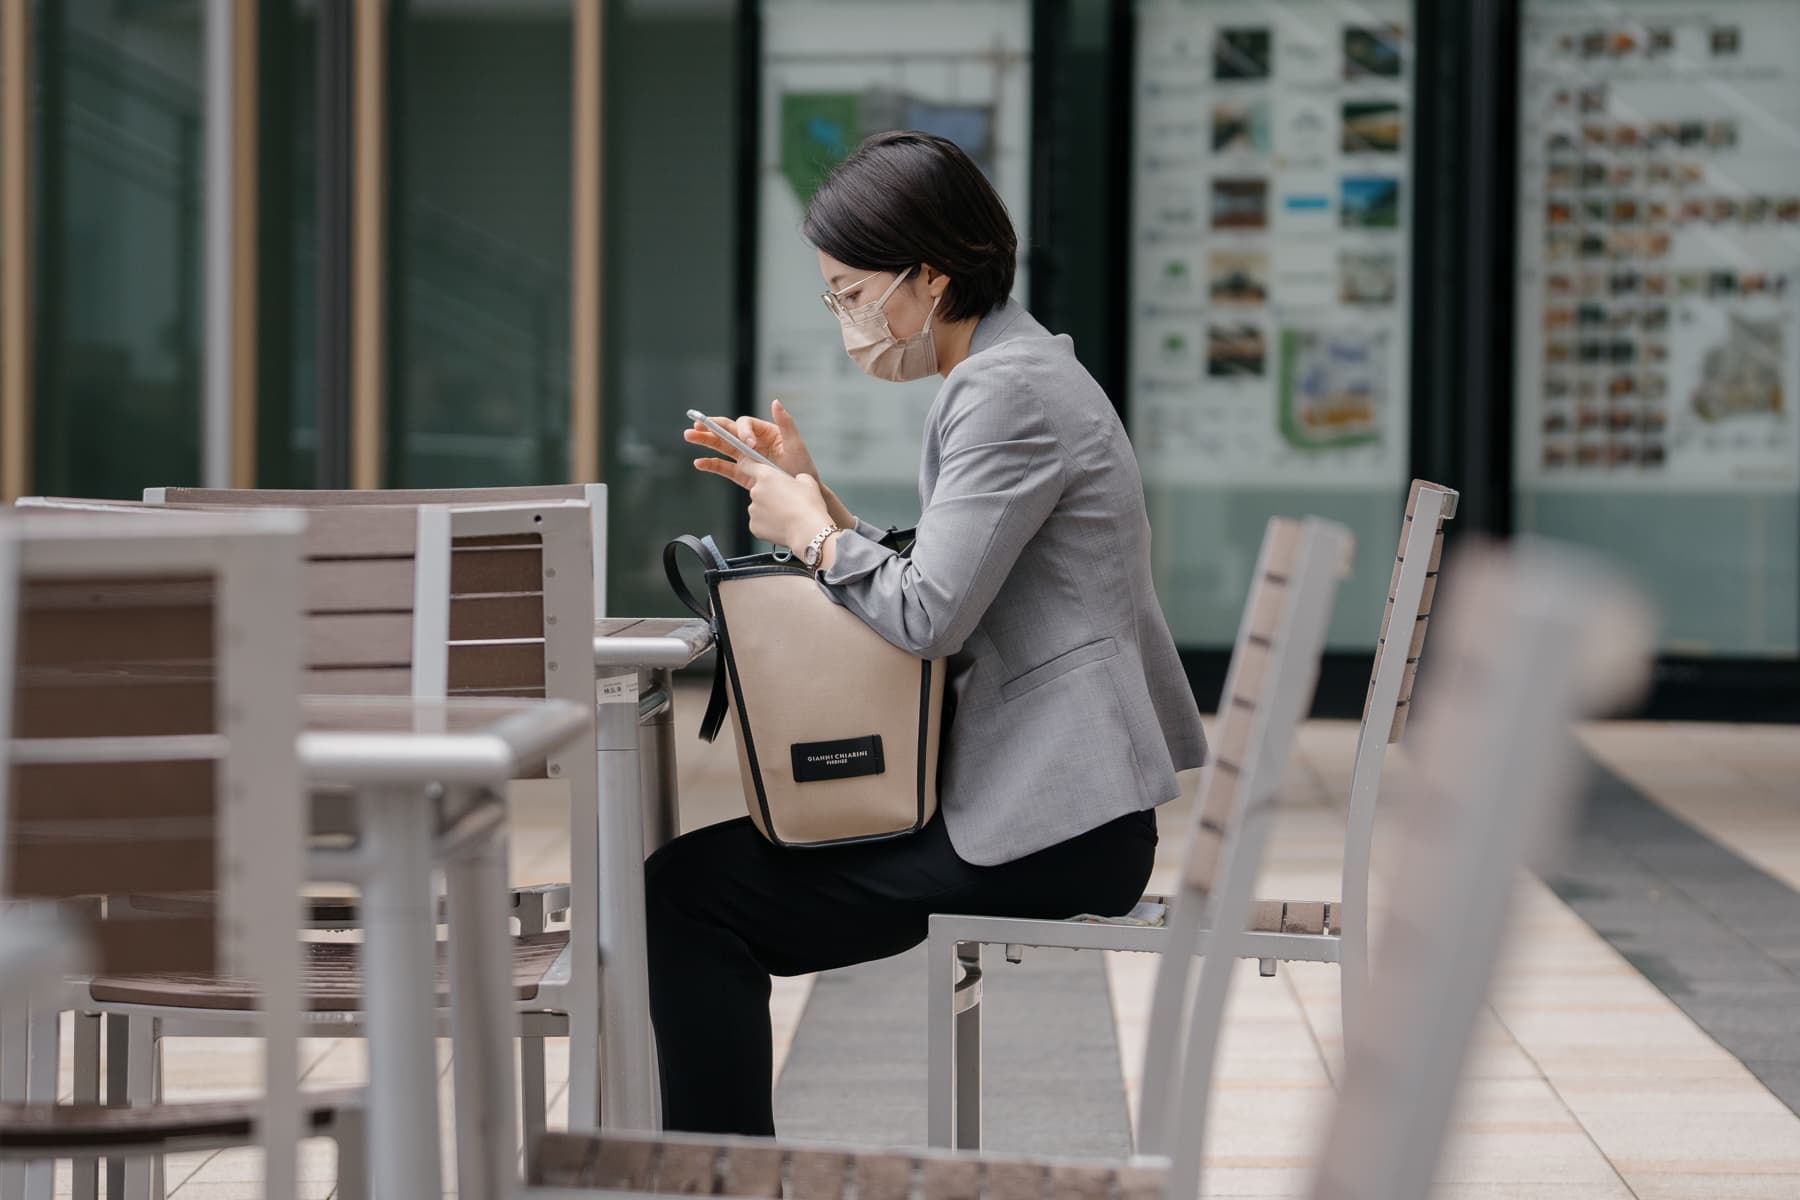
149	686
1269	687
1280	930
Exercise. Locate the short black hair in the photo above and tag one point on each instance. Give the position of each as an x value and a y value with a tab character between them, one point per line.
905	198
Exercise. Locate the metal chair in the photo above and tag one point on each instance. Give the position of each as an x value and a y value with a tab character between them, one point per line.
149	679
1269	687
427	601
1538	639
1278	930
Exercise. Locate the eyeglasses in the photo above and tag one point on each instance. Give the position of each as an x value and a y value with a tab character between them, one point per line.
834	302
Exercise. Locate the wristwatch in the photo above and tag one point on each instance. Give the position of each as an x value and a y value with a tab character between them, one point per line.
816	548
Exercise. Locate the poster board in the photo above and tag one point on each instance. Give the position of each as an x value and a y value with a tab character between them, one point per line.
833	73
1658	286
1270	289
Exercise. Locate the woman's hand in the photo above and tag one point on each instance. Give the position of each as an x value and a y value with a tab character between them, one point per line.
779	441
788	511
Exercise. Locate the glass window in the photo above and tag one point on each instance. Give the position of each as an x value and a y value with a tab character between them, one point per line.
479	289
1271	311
119	311
1658	275
833	73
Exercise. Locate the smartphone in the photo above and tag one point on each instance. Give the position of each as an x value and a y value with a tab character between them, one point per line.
731	439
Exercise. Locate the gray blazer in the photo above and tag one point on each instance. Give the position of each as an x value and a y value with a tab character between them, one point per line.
1031	575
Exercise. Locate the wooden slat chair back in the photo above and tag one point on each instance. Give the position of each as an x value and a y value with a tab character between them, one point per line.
1270	685
1534	639
593	494
1268	692
1412	589
476	592
152	680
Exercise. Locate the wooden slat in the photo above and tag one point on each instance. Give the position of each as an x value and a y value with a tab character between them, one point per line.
1137	1182
333	980
751	1171
475	618
127	708
114	593
358	585
387	498
1304	916
114	636
1203	858
1080	1181
94	790
59	1130
358	640
360	532
816	1174
63	869
1016	1180
1250	670
487	571
562	1160
946	1178
885	1176
623	1164
393	681
1266	915
685	1169
158	943
479	668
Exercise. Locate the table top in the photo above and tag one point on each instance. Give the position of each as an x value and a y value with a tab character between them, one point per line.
646	643
362	740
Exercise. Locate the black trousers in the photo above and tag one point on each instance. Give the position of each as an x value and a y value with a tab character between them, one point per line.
727	910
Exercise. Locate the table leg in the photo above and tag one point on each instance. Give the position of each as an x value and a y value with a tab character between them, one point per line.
399	994
484	1023
656	764
628	1072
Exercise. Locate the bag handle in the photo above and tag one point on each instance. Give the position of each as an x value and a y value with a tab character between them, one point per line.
704	549
707	551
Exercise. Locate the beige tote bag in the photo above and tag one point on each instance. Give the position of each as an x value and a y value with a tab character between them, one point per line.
837	728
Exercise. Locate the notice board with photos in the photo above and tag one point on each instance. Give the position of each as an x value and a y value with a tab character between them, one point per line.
1659	246
834	72
1270	306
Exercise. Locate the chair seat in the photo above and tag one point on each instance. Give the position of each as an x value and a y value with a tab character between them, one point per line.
1319	917
333	979
687	1164
68	1127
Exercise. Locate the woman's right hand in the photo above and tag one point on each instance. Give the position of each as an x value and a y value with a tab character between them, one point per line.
778	440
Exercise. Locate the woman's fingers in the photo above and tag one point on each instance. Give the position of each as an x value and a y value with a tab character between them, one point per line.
725	467
706	438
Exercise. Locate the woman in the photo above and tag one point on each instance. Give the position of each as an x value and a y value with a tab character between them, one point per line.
1067	713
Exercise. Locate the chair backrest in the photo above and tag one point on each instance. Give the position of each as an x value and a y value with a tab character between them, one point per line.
151	678
594	494
1536	637
1411	590
1268	689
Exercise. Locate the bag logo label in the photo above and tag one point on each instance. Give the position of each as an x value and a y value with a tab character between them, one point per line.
847	758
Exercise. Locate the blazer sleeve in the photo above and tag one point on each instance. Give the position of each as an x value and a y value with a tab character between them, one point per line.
999	476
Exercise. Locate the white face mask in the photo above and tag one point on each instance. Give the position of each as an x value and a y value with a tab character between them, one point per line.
872	346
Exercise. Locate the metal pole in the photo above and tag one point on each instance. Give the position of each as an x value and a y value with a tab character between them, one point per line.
15	248
586	279
215	410
333	357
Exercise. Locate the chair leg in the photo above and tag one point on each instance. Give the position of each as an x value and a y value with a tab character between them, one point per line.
351	1129
968	1058
533	1090
140	1092
43	1072
940	1039
118	1058
15	1055
85	1172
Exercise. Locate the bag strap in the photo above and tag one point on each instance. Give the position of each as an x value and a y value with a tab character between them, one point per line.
707	551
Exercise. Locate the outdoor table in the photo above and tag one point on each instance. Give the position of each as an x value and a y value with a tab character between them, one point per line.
635	659
429	779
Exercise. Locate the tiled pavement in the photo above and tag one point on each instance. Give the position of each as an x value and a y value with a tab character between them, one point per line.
1588	1082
